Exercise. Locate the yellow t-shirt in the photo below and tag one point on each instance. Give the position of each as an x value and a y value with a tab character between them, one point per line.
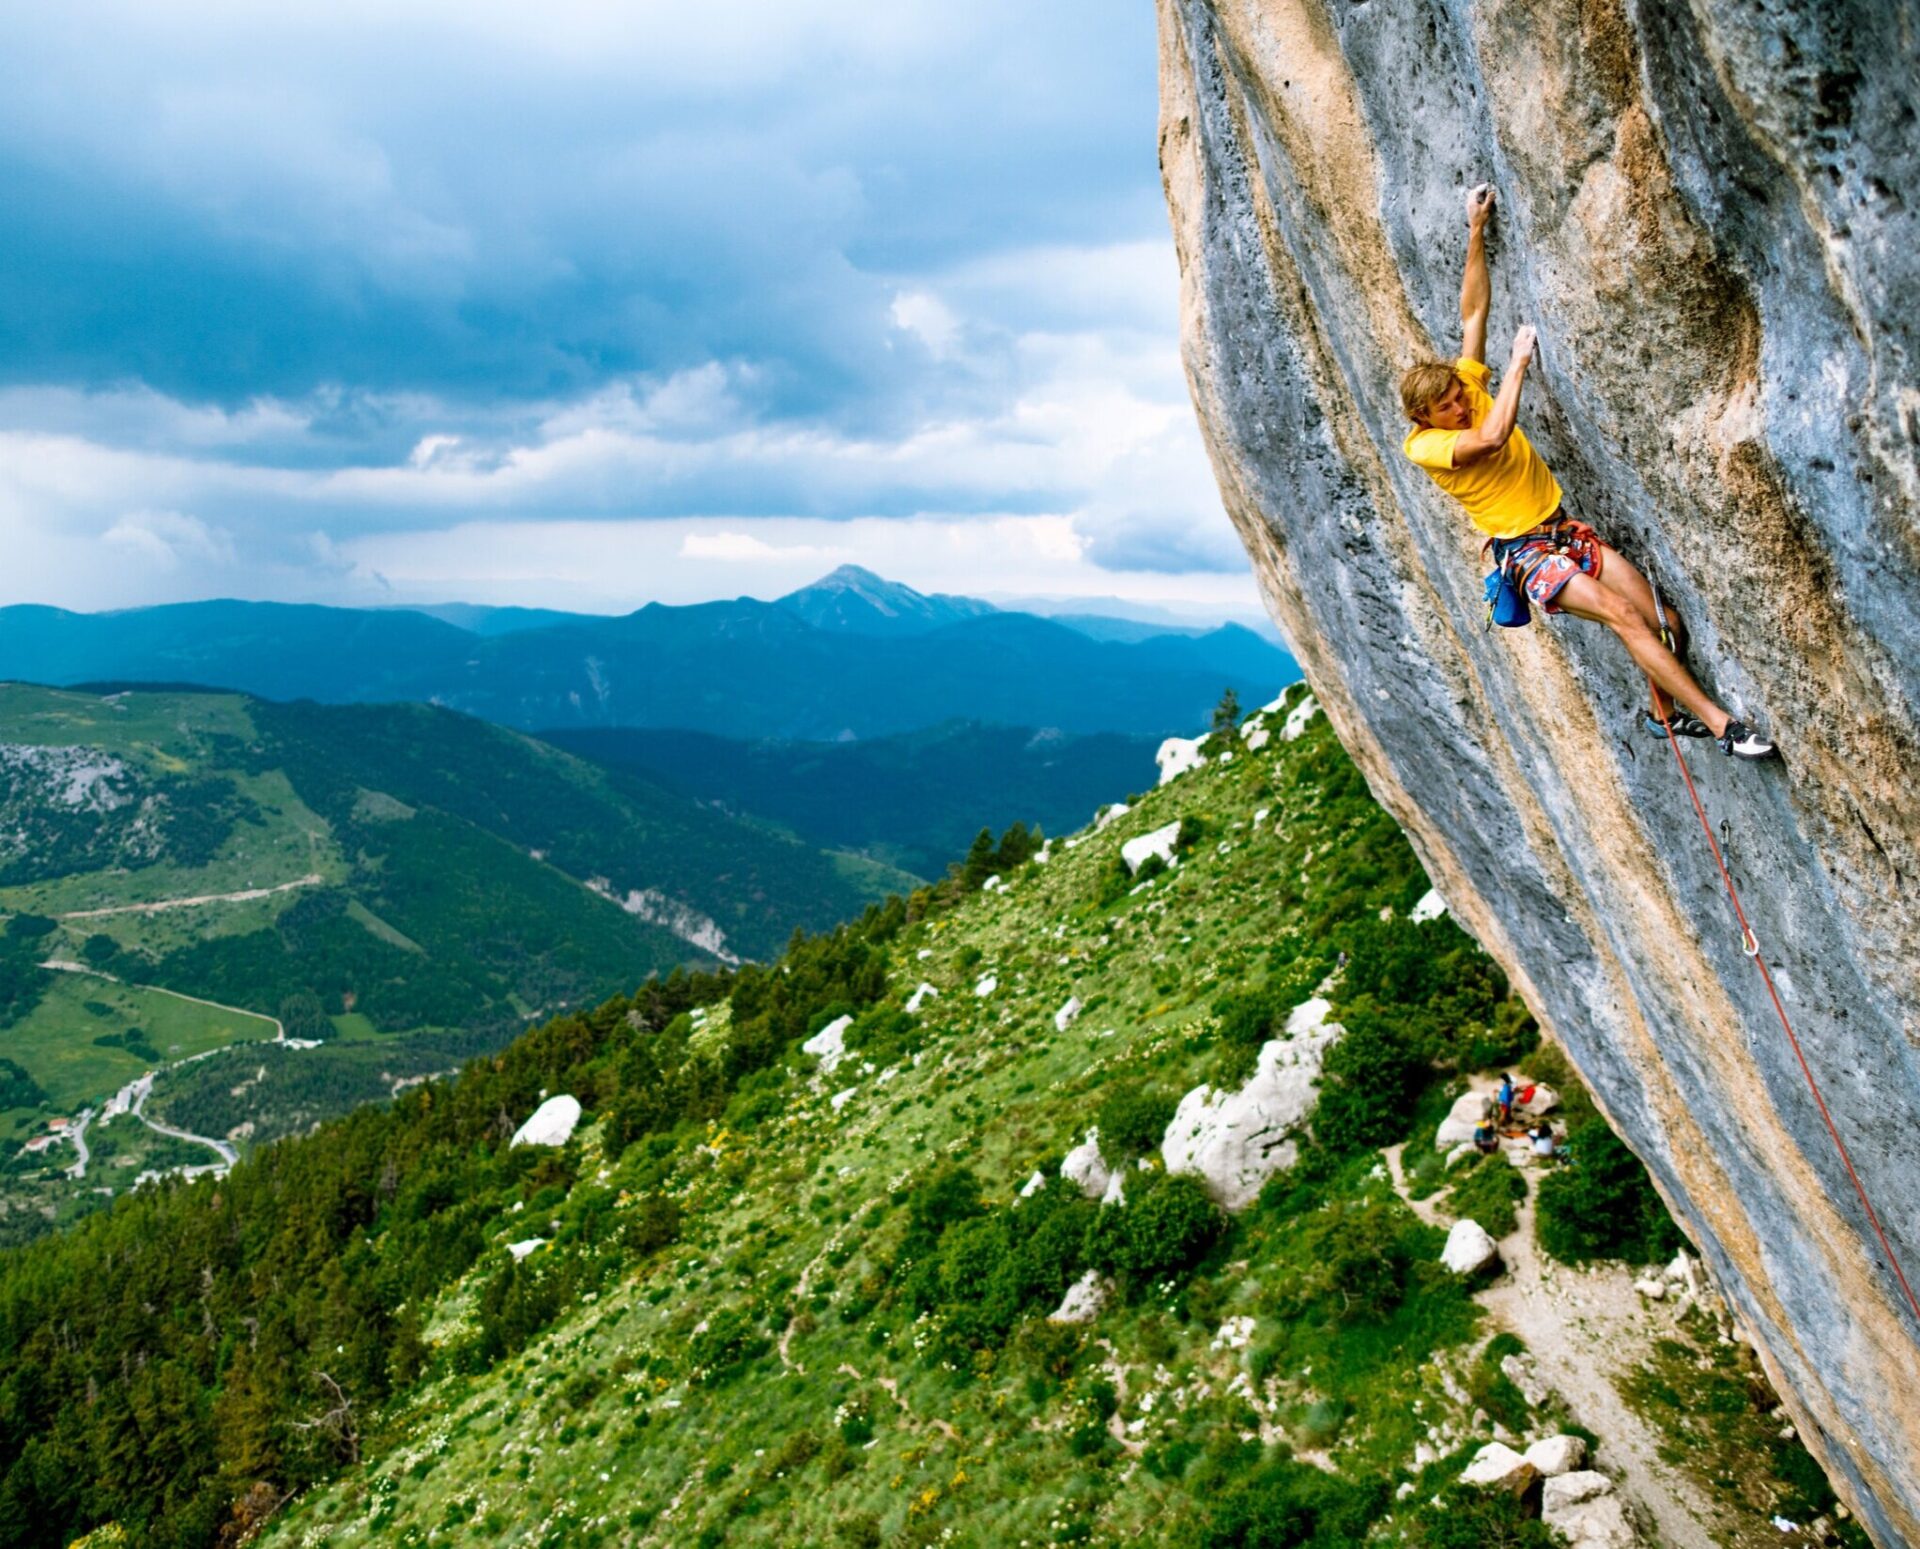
1507	492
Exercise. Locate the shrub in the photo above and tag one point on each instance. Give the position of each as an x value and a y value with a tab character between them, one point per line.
1362	1262
1602	1205
728	1341
1133	1119
1289	1505
1368	1086
1488	1194
1462	1517
1162	1232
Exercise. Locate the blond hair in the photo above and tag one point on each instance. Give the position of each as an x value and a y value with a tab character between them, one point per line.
1424	385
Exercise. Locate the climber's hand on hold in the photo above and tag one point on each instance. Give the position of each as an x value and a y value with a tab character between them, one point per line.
1525	344
1479	205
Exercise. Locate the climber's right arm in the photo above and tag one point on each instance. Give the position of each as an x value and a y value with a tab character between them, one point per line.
1486	438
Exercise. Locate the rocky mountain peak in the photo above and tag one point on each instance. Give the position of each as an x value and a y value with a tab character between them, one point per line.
854	600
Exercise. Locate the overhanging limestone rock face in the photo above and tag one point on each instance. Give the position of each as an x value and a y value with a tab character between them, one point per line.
1707	210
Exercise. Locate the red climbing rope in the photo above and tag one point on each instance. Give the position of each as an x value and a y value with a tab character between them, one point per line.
1750	944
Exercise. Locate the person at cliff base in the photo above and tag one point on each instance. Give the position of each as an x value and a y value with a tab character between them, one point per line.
1471	445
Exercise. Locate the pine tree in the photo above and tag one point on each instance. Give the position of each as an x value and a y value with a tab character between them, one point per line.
980	861
1226	714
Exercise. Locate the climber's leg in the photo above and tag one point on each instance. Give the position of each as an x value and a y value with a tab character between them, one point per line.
1618	607
1619	576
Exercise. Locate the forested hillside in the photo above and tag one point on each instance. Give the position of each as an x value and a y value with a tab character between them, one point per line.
767	1293
401	885
914	800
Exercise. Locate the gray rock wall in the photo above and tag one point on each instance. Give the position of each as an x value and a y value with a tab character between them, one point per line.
1706	210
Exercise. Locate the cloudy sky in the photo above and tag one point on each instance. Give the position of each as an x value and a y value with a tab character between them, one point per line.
587	304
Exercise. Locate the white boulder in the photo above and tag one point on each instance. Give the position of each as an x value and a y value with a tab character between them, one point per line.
993	884
1308	1017
1469	1249
921	996
551	1124
1065	1017
1584	1508
1033	1185
1653	1290
1497	1466
1257	737
987	985
1558	1455
1083	1301
1177	755
1298	717
1519	1370
1575	1488
1234	1334
1430	907
1085	1166
1160	842
829	1045
1110	814
520	1250
1238	1140
1469	1111
841	1098
1116	1190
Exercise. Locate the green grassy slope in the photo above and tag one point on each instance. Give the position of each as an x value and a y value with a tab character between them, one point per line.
836	1351
759	1307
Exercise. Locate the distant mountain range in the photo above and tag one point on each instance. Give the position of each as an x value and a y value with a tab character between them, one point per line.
808	666
915	800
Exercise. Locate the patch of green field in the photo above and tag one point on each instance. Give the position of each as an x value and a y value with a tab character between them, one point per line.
56	1042
352	1026
372	923
874	877
290	841
162	728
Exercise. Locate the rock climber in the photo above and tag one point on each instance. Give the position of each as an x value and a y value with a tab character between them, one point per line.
1473	448
1503	1099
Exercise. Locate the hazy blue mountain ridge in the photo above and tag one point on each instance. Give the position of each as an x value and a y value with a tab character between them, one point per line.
810	666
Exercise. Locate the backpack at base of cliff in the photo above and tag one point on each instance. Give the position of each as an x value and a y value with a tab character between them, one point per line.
1506	599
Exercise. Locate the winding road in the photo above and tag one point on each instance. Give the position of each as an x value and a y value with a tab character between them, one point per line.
132	1098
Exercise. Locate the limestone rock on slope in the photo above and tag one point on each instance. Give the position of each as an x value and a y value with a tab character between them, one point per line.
1238	1140
551	1124
1708	210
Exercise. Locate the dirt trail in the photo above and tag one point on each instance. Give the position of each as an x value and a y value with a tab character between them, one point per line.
246	895
1580	1326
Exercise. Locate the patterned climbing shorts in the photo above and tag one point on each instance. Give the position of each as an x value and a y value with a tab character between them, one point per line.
1549	557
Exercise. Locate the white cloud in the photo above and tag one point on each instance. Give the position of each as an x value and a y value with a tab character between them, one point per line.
167	538
929	319
743	548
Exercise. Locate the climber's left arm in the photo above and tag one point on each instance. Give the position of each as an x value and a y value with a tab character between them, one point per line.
1476	286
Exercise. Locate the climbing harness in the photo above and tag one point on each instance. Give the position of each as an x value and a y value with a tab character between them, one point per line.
1750	946
1516	559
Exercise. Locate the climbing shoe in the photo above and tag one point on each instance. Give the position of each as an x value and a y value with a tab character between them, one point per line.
1683	724
1740	740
